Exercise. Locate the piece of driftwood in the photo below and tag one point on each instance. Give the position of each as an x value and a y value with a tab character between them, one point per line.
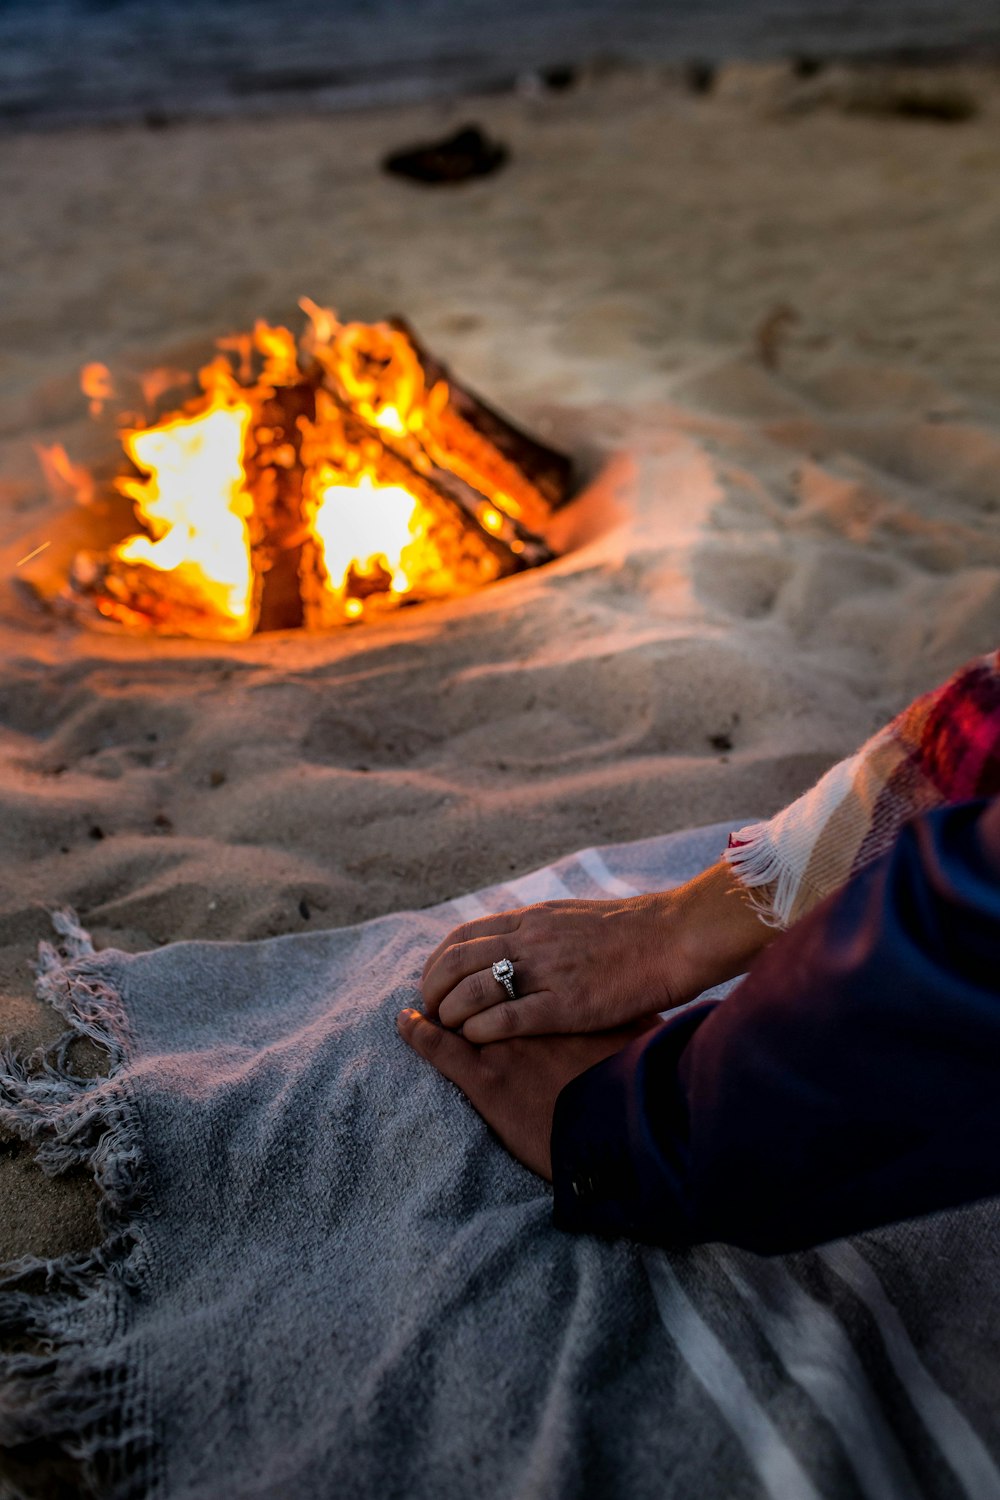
466	153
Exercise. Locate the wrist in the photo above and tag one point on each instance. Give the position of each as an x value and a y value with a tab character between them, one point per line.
720	932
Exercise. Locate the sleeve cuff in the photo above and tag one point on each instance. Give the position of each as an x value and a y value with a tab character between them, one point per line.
620	1161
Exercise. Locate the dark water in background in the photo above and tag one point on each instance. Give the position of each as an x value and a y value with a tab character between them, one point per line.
71	60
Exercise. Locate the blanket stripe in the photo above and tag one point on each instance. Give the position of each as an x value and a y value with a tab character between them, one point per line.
817	1354
958	1442
709	1361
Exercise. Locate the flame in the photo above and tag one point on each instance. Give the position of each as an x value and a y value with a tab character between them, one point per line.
155	383
280	351
323	324
65	478
372	532
194	501
96	382
379	374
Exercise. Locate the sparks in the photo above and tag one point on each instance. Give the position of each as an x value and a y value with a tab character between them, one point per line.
29	555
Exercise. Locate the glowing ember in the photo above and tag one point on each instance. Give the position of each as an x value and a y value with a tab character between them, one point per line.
96	382
311	483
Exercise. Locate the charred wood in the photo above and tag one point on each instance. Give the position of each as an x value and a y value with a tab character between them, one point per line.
491	443
274	478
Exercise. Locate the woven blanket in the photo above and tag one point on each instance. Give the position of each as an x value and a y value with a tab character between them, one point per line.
323	1277
942	749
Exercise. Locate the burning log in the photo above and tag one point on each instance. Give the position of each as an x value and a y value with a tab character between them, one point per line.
490	446
457	532
278	528
411	464
317	483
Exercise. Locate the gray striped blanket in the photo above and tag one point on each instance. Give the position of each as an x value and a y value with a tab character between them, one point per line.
323	1277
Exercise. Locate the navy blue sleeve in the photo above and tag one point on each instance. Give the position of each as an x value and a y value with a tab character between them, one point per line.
853	1079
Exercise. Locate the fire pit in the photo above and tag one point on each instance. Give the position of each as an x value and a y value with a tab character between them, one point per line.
311	482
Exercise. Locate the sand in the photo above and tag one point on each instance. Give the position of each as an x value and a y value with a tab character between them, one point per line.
766	325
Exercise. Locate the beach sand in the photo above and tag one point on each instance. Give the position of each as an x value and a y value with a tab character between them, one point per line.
765	321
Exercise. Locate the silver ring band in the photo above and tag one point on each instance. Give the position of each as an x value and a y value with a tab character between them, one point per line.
503	973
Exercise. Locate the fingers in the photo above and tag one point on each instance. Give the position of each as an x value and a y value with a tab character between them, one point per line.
456	1058
531	1015
473	993
459	962
476	992
495	926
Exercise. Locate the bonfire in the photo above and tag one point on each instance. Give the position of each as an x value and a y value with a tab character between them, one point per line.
309	482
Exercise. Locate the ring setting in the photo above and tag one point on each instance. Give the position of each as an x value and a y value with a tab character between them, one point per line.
503	973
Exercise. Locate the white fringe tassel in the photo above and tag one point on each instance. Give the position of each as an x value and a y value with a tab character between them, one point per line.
770	883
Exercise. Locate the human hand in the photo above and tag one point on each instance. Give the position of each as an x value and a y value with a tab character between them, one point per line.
514	1085
592	965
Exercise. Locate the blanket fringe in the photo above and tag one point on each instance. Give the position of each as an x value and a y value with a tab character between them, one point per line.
68	1402
770	884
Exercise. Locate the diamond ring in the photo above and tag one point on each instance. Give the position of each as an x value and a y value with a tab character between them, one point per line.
503	973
